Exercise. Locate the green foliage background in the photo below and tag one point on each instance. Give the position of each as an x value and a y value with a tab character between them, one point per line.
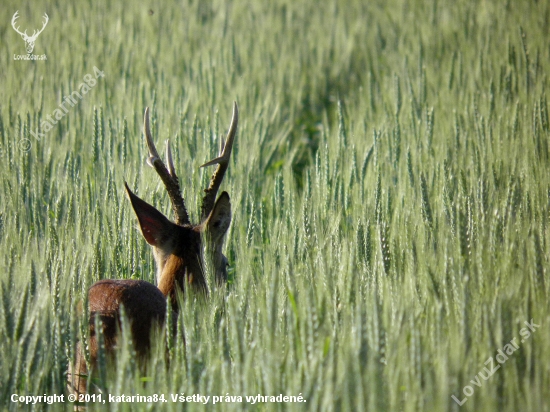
389	187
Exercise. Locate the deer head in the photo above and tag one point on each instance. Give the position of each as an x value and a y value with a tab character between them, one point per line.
29	40
177	246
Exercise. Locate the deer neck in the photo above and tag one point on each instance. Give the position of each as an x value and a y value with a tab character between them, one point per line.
175	274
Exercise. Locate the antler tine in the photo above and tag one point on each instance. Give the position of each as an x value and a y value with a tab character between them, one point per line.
223	162
168	176
171	168
46	20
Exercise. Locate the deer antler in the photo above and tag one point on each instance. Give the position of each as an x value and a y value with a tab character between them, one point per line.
168	176
223	162
36	33
14	18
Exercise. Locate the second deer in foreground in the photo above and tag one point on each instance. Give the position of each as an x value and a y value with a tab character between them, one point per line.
177	248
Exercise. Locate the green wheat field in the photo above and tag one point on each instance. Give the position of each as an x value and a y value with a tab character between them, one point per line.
390	242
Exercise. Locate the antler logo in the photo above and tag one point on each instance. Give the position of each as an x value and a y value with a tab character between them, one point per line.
29	40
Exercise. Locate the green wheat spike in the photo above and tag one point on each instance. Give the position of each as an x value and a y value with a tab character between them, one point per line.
385	246
96	140
429	127
398	96
21	317
451	80
342	136
123	151
110	141
378	199
410	170
543	113
397	142
526	57
426	208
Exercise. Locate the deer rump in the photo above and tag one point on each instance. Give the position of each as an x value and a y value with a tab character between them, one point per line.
144	305
145	308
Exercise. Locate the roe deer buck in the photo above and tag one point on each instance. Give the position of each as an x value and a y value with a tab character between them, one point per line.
177	249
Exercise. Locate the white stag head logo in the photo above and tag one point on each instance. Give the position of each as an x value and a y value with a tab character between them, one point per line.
29	40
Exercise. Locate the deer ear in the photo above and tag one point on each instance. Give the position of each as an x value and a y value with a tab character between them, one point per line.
155	227
220	217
